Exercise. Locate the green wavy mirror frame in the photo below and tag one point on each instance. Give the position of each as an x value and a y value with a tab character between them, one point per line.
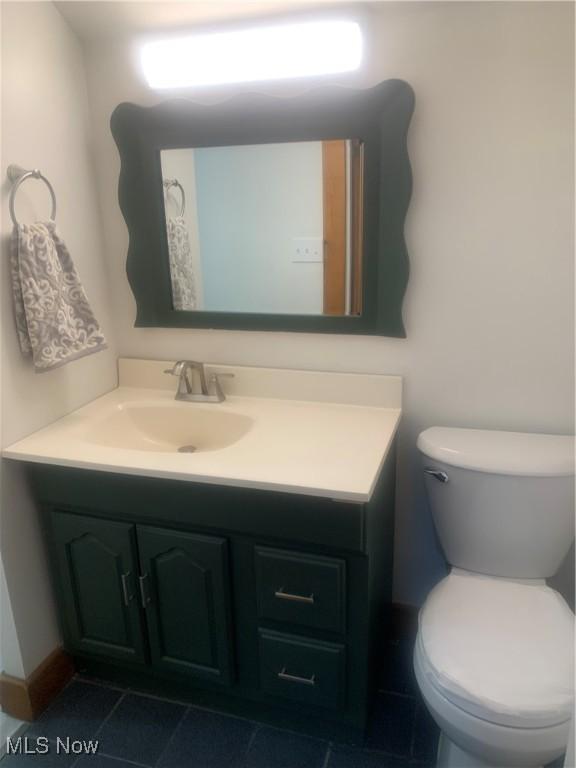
378	118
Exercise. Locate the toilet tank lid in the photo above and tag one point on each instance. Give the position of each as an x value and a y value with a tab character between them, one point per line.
505	453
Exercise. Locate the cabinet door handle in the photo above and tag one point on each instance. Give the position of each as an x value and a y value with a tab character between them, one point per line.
125	589
144	596
281	595
283	675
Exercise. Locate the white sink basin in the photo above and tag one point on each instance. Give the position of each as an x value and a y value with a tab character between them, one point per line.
168	427
328	449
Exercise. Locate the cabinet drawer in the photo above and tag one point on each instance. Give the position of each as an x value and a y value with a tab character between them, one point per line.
301	589
300	669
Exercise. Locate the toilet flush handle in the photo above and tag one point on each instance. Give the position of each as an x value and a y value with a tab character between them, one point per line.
437	473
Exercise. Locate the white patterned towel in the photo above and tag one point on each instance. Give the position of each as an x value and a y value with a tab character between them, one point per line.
181	265
54	321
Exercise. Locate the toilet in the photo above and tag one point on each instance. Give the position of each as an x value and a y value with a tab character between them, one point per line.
494	652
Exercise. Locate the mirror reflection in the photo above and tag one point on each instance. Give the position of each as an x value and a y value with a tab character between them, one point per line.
267	228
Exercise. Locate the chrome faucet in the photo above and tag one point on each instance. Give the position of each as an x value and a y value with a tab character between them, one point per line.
185	389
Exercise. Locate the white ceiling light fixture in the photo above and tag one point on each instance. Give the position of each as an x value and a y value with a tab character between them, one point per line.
262	53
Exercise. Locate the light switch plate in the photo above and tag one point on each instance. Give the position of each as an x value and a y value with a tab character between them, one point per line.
307	249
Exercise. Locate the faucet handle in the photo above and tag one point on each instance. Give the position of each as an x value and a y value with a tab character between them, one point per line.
215	379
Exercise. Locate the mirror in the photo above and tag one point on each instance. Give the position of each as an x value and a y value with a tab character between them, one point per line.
269	214
266	228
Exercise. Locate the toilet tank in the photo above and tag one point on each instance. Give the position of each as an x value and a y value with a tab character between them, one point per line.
502	502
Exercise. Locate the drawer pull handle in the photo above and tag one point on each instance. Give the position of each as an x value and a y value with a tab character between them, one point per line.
283	675
281	595
125	589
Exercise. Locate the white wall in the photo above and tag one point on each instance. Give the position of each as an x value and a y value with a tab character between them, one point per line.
253	201
44	124
489	308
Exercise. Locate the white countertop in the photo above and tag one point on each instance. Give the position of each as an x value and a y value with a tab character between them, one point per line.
318	449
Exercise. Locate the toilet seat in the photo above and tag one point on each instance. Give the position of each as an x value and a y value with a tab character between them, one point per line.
500	650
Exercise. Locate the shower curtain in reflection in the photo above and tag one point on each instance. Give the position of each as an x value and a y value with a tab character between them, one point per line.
184	296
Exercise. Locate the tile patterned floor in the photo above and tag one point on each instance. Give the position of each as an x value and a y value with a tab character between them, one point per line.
139	731
135	730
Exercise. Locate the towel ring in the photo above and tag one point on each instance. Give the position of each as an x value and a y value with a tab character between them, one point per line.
17	175
168	183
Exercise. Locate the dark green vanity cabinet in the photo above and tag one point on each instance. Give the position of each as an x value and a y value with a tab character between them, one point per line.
270	605
137	593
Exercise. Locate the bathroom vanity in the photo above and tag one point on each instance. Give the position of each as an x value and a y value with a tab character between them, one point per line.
252	575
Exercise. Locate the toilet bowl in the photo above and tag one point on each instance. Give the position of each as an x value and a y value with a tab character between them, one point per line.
495	646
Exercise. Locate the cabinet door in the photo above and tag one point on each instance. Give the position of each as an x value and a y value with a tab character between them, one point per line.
96	566
184	585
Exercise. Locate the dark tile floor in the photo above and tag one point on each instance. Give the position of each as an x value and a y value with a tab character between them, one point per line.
135	730
138	730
